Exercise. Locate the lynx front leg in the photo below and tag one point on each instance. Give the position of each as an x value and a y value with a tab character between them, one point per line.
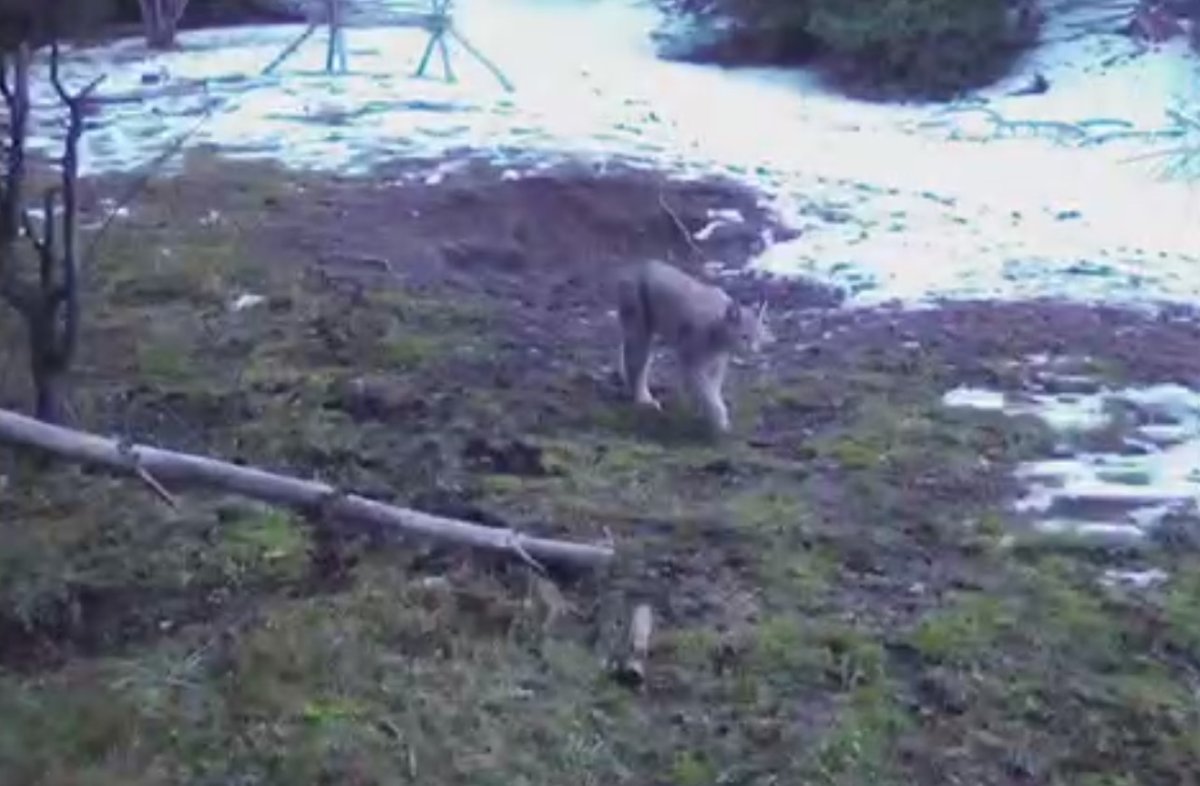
636	358
704	382
715	385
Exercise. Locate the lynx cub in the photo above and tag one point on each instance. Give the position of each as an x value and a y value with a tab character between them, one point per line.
699	321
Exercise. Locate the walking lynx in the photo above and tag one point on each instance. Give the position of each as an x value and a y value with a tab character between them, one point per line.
699	321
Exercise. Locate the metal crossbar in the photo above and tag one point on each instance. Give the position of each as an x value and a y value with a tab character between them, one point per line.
433	16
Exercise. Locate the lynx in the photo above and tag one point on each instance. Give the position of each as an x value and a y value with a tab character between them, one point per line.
701	323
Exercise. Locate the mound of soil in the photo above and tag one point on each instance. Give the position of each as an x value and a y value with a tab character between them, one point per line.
549	240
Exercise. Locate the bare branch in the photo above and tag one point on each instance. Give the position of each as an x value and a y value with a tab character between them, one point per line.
160	20
290	48
144	178
48	246
82	447
55	77
526	557
48	300
6	90
70	100
179	9
683	230
147	9
31	233
16	97
135	466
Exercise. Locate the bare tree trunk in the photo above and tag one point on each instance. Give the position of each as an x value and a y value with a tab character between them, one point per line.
13	64
160	20
304	495
47	301
49	381
49	386
53	332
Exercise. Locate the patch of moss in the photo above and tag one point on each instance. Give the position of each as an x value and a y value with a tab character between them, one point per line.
970	628
691	648
263	542
407	352
1053	650
861	746
780	647
164	363
692	769
613	480
1182	611
769	510
797	576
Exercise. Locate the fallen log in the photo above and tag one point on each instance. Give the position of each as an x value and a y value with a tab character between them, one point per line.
305	495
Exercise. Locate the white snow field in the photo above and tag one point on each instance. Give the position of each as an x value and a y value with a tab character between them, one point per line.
908	203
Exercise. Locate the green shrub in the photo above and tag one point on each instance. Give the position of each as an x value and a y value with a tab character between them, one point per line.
931	48
772	30
742	32
926	47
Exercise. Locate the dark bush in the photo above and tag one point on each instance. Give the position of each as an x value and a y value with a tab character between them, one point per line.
34	20
739	32
926	47
931	48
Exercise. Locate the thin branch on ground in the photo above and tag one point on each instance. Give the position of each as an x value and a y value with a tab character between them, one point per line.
683	230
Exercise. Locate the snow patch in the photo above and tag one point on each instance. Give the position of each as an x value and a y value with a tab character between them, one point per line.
1134	579
1114	497
245	301
994	196
718	218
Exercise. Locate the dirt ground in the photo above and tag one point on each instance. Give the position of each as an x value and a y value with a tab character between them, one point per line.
833	599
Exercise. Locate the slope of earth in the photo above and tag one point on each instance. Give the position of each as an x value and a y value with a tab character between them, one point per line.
833	596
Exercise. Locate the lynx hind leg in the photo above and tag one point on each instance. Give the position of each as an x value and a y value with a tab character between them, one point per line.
636	346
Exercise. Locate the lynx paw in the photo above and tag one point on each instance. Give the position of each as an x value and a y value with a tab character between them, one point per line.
648	401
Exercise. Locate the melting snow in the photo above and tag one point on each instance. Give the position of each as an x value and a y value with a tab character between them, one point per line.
985	198
1116	497
245	301
1134	579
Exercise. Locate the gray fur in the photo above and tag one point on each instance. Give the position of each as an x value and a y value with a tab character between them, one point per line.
699	321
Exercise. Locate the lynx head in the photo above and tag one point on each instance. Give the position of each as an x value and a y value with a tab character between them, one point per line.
747	327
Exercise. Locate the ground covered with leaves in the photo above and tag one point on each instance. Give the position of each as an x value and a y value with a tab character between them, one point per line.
835	597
